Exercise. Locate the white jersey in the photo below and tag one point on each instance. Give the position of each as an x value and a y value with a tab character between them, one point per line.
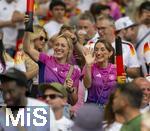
9	33
143	50
129	54
144	56
116	126
52	28
91	43
64	124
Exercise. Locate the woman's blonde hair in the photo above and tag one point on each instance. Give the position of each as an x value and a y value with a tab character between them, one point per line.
37	29
70	45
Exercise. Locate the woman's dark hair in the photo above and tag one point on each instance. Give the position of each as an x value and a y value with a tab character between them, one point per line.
109	115
2	53
109	48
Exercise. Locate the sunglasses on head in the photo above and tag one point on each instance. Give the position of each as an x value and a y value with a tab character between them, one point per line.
41	38
52	96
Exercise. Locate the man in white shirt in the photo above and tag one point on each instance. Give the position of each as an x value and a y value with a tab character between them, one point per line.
143	37
57	9
56	95
14	87
106	29
87	33
9	29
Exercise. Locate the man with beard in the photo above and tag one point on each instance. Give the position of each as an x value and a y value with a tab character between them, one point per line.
127	101
14	87
126	29
143	37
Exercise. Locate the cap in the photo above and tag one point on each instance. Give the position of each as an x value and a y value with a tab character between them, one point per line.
89	118
14	74
55	86
123	23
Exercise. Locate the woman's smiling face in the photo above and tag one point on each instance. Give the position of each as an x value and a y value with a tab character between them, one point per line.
61	48
101	53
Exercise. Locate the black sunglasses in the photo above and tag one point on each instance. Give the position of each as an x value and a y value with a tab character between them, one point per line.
41	38
52	96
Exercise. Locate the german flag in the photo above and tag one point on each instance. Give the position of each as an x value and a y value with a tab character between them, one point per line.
29	12
146	47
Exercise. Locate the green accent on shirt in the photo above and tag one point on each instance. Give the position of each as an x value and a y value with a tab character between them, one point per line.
133	125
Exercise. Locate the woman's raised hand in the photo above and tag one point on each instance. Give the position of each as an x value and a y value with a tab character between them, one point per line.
89	56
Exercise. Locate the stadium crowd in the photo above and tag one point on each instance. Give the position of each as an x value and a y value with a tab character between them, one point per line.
69	65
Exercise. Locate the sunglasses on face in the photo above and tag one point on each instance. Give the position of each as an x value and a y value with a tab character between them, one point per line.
41	38
52	96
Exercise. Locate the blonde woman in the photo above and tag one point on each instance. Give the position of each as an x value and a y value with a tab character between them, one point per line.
57	66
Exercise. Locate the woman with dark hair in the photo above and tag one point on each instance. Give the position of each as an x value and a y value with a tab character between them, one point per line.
99	73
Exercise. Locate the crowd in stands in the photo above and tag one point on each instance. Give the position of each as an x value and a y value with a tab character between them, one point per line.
68	64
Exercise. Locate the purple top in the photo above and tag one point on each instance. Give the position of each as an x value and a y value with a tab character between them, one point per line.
103	84
56	72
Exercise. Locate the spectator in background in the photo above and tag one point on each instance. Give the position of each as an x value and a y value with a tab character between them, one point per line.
86	32
84	5
56	95
106	29
71	8
114	120
144	20
9	28
57	8
89	118
99	74
144	85
115	12
14	87
42	11
18	19
57	66
98	9
6	61
127	101
126	29
143	37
